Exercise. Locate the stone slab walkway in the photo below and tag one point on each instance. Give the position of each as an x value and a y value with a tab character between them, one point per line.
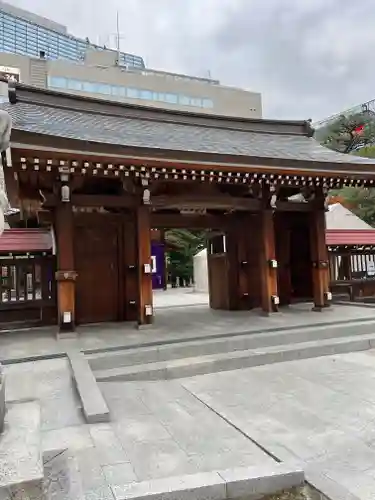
171	324
319	411
157	430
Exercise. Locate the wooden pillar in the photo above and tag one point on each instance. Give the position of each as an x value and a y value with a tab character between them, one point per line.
267	262
145	309
65	273
319	254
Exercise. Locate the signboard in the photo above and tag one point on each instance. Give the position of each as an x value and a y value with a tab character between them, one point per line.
9	73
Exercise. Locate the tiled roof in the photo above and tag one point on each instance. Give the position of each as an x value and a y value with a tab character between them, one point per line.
25	240
75	119
350	237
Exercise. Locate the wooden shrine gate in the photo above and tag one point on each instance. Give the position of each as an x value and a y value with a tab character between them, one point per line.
103	174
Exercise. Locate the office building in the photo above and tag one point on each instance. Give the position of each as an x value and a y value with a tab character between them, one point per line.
26	34
40	52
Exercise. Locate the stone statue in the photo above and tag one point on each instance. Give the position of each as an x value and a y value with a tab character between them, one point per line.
2	399
5	130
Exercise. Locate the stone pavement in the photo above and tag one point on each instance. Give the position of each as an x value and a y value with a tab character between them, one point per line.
172	324
157	430
319	411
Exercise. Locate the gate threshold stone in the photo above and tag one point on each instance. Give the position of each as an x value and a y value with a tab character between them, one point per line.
94	406
248	482
21	462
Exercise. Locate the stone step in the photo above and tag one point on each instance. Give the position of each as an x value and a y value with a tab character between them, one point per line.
236	342
200	365
21	461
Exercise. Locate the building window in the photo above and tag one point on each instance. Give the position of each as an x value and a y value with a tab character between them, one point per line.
207	103
104	89
57	82
146	95
171	98
90	87
196	102
74	84
132	93
184	100
127	92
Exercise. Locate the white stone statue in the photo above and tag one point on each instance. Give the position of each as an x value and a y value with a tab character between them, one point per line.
5	130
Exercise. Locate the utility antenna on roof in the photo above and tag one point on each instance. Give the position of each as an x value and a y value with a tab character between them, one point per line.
118	37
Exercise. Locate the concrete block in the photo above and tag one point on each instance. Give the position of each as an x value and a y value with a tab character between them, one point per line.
21	464
94	406
204	486
255	482
2	399
327	486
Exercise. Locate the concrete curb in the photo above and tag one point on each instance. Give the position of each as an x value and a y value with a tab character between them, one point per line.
250	483
94	406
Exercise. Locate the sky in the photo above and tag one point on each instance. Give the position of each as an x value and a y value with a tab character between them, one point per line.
308	58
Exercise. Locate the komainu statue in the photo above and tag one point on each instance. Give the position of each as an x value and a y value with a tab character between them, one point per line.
5	129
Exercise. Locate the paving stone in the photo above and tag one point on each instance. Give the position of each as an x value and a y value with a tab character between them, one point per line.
204	486
108	447
73	438
119	474
158	459
21	466
142	429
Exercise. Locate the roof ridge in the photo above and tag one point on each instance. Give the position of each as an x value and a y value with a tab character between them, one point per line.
91	105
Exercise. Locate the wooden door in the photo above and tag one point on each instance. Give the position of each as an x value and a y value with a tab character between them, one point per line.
300	259
97	265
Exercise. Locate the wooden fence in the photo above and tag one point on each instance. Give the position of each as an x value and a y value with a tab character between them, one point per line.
352	272
27	289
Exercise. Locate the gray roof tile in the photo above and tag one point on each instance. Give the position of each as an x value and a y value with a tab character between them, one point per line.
159	134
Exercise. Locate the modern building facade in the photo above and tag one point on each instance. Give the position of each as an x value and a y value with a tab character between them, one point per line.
26	34
41	53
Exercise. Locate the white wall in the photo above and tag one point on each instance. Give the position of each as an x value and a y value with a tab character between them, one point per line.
201	272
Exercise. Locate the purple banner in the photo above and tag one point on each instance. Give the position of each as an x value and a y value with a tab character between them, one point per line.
158	265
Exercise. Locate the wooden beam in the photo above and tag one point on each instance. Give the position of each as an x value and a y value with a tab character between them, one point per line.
179	221
94	200
145	312
291	206
205	202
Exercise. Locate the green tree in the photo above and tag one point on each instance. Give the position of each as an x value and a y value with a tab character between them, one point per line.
354	134
348	134
183	245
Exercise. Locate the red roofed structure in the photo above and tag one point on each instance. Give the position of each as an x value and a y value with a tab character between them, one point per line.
21	241
350	237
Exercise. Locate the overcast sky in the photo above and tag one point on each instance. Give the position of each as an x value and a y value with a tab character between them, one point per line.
308	58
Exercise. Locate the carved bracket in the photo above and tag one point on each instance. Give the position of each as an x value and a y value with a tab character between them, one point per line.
66	275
